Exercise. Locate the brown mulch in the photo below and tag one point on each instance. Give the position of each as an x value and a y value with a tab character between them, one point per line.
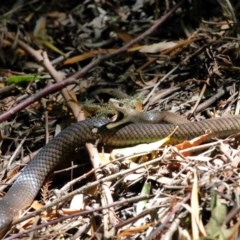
61	60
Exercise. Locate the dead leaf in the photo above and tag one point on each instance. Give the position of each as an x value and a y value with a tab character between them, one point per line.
194	142
157	47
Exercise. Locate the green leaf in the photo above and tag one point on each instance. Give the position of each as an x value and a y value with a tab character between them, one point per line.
22	79
145	191
216	228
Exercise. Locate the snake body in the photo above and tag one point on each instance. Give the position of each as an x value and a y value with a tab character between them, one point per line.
60	148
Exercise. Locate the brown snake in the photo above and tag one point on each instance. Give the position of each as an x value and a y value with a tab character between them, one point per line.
60	148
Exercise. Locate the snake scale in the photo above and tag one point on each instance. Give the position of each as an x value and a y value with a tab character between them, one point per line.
25	188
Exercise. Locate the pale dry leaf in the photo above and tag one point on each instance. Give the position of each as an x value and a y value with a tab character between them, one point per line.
40	28
138	150
157	47
77	202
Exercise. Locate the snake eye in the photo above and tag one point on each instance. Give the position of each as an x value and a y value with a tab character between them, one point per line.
120	104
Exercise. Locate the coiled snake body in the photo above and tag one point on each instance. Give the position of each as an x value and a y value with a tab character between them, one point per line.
60	148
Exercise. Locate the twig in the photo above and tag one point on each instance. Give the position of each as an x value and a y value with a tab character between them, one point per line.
42	58
82	213
208	102
200	97
158	229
